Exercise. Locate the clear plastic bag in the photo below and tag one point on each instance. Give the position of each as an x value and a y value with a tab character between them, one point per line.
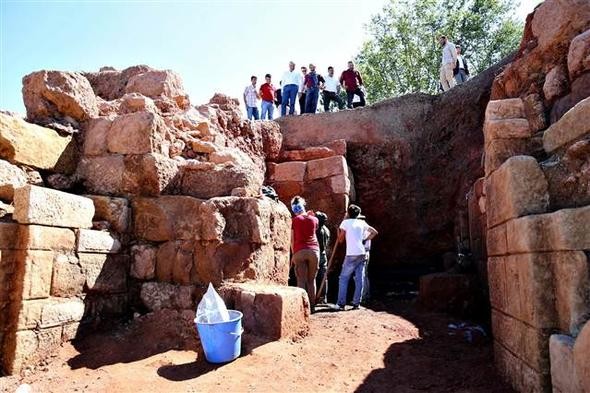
211	308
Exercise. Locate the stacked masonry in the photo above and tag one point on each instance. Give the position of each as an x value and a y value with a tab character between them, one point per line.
51	263
178	207
319	174
538	266
537	146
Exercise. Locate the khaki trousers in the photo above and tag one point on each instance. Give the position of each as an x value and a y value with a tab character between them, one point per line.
306	267
447	80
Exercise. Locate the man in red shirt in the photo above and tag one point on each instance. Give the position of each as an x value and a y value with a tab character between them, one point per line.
305	248
267	93
351	81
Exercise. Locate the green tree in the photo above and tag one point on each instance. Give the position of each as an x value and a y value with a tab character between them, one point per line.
403	55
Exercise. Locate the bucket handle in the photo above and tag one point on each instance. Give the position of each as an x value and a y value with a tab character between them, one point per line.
237	334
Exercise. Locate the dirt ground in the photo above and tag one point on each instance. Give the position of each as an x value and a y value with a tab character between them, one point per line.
390	347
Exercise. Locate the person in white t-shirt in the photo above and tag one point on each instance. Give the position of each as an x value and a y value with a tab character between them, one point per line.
331	90
355	231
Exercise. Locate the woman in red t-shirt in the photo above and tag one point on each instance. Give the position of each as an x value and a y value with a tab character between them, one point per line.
305	247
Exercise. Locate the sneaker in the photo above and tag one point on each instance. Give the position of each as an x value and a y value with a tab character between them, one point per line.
340	308
355	307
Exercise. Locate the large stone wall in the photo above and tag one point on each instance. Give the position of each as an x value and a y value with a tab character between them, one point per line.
538	204
124	198
413	159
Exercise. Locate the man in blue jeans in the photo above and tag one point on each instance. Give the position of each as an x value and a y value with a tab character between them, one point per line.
291	83
355	231
312	88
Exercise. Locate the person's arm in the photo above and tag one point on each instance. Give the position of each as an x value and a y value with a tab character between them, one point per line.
372	232
342	83
341	235
292	240
358	75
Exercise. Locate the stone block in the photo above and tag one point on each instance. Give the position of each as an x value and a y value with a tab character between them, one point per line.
578	56
572	126
572	289
38	270
563	230
271	311
497	282
59	312
340	184
96	136
529	344
143	261
518	188
37	237
506	129
581	358
496	240
11	177
137	133
512	108
105	272
115	211
103	174
556	83
161	295
286	190
497	151
335	148
167	218
25	346
447	292
97	242
220	180
561	349
289	171
532	284
29	316
50	95
174	262
149	174
67	279
38	205
326	167
522	377
578	91
8	235
69	331
29	144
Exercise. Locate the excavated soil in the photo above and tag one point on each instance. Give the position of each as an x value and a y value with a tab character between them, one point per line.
390	347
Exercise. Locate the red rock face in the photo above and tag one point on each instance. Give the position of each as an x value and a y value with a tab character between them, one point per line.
413	158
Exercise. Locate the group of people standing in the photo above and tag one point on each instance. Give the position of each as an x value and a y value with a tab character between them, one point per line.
454	69
309	242
304	87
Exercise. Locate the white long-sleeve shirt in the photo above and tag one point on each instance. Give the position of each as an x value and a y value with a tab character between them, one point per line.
449	53
292	78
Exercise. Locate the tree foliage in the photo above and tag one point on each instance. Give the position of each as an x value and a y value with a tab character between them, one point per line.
403	54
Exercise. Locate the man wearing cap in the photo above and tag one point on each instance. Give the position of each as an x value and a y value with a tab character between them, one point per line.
354	231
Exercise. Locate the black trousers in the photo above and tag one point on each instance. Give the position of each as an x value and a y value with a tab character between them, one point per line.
350	96
330	96
302	104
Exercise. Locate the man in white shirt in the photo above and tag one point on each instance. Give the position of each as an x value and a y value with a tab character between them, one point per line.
331	88
251	97
449	58
291	83
355	231
461	70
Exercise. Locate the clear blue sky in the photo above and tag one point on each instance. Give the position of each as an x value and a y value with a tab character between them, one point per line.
214	45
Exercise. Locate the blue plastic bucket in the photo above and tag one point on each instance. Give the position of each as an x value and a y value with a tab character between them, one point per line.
222	341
